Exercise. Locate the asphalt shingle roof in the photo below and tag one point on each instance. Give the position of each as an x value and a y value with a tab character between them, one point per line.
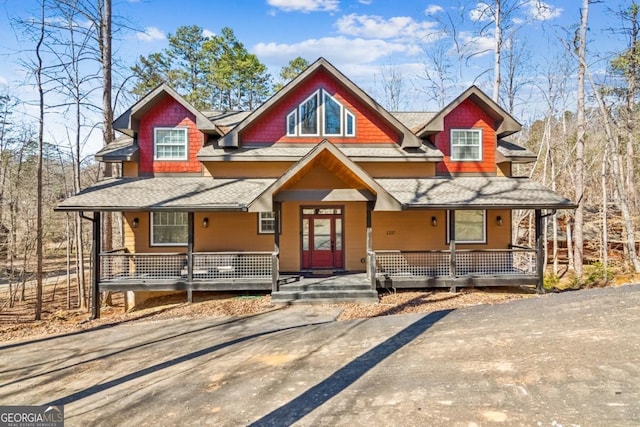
296	152
167	193
473	193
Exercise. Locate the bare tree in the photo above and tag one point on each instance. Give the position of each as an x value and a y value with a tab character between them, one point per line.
392	83
581	46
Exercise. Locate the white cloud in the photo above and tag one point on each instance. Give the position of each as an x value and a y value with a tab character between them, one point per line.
477	45
482	12
208	33
378	27
3	81
541	11
432	9
367	2
150	34
338	50
305	6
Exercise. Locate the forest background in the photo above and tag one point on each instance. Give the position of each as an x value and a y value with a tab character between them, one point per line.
578	104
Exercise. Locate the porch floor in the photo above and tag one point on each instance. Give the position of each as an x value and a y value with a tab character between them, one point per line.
331	288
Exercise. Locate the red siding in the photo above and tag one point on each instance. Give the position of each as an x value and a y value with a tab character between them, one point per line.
468	115
168	113
271	126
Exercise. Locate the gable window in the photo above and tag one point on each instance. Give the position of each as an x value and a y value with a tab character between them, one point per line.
466	144
266	222
309	116
332	115
169	228
170	143
470	226
321	114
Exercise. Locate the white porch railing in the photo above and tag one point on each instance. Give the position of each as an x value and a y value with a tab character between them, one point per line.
486	262
207	266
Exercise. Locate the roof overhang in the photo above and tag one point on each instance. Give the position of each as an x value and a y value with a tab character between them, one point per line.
505	123
408	138
474	193
128	122
166	194
363	186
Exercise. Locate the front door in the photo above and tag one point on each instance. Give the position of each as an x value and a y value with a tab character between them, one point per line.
322	238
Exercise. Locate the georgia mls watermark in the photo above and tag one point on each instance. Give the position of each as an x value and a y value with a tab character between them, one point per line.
32	416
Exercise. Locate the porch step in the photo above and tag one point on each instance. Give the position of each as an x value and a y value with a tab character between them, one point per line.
335	289
363	296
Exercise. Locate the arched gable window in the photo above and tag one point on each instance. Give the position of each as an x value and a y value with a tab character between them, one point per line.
321	114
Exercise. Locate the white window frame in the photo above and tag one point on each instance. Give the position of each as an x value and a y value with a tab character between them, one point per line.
348	114
152	225
341	117
315	94
480	153
321	95
484	227
294	113
262	218
183	130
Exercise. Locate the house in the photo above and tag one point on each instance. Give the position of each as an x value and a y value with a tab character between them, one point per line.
320	178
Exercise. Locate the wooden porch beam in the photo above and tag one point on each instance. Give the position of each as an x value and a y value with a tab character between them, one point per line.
275	264
190	239
452	249
539	250
95	256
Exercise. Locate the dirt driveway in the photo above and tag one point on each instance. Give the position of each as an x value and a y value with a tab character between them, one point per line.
555	360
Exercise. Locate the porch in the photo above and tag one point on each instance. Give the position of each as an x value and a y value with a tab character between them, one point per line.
120	270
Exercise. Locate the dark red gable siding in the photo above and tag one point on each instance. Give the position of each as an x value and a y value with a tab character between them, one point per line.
270	127
168	113
468	115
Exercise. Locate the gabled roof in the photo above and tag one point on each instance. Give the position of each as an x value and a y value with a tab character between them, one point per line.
409	139
128	121
328	154
507	125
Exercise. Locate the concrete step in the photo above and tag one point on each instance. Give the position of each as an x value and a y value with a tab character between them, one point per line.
302	286
365	296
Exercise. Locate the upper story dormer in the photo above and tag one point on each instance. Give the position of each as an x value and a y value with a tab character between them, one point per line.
167	135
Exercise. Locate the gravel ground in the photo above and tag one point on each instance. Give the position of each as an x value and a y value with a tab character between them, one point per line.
60	321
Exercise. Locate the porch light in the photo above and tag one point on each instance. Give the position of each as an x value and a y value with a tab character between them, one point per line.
434	221
499	220
205	222
135	222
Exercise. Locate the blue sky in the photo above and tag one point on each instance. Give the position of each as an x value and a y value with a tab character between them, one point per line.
363	38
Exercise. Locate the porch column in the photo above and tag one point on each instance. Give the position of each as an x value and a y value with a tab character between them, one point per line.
95	256
371	270
190	239
275	261
452	249
539	250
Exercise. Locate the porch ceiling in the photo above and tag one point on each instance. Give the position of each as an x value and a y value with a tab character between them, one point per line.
474	193
167	193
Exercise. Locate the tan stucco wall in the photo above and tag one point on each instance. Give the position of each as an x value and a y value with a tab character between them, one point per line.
246	169
412	230
230	231
129	169
399	170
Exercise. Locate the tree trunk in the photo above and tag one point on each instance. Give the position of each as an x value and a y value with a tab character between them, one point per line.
39	243
580	143
498	46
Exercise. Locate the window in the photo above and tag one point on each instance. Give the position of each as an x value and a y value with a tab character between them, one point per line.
169	228
321	114
309	116
170	143
466	144
332	115
470	226
266	222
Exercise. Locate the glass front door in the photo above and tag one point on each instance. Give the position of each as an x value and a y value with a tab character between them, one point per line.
322	238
